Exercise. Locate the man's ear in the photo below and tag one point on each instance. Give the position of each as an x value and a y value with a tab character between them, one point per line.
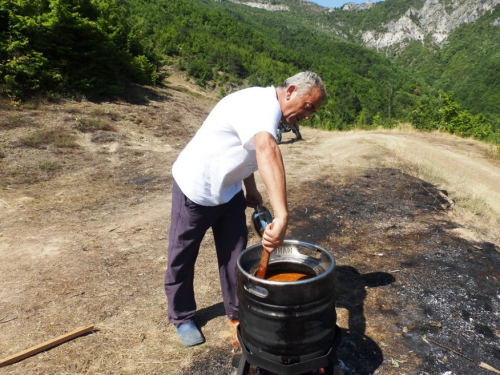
289	90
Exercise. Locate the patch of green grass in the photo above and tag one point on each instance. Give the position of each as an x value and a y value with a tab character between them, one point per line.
49	166
186	90
72	110
15	121
58	137
102	112
90	125
35	102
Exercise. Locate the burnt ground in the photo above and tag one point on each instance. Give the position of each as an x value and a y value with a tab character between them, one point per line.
411	218
401	284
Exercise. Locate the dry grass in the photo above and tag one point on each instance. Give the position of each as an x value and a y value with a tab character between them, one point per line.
470	204
494	152
103	112
59	137
404	127
14	120
90	125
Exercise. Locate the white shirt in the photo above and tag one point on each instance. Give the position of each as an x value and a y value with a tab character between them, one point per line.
211	168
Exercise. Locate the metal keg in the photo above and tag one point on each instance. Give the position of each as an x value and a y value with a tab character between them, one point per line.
288	321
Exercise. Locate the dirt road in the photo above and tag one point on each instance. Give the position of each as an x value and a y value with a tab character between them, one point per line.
411	220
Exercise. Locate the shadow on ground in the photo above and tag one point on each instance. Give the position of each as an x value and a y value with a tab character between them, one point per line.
350	295
203	316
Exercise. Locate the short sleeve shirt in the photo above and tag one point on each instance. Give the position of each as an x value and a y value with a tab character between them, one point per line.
211	168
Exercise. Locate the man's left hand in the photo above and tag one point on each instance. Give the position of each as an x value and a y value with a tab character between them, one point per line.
253	198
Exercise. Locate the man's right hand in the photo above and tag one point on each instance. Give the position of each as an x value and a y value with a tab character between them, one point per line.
274	235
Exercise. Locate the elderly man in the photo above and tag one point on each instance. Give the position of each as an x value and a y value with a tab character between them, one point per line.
236	139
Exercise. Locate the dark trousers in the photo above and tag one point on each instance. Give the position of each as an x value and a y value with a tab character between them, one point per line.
189	223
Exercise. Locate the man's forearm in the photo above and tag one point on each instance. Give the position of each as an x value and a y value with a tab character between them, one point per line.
252	195
272	171
250	185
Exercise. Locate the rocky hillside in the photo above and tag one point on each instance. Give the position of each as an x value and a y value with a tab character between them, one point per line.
427	21
432	23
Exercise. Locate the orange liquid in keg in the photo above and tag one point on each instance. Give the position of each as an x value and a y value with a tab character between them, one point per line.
288	276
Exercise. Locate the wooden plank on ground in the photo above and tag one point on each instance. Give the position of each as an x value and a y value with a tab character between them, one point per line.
46	345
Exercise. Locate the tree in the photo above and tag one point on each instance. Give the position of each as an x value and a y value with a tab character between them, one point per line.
69	46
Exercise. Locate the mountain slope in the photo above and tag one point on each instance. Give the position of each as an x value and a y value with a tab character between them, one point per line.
449	45
225	45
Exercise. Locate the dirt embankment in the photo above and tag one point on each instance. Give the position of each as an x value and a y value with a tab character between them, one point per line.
411	220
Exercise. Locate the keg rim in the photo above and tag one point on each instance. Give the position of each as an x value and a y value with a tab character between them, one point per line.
254	278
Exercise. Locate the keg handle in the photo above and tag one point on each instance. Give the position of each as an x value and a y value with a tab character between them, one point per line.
256	290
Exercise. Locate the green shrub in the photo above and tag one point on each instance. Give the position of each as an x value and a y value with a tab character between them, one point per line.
144	71
72	47
461	122
200	70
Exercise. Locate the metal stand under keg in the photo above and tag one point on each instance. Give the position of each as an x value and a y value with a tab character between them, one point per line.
328	361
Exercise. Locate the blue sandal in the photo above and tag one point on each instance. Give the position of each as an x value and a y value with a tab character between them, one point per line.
189	334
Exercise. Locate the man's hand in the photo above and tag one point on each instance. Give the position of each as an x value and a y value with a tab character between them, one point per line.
252	195
254	199
274	235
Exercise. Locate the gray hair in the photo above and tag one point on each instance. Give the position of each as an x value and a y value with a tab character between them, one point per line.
305	82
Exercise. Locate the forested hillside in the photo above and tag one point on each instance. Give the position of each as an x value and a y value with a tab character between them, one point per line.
225	43
466	62
70	47
96	47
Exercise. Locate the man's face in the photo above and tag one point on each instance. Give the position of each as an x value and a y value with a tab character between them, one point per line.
296	108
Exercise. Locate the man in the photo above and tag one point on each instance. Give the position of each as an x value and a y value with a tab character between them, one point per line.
235	140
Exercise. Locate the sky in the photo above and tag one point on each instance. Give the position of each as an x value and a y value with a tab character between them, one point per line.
339	3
